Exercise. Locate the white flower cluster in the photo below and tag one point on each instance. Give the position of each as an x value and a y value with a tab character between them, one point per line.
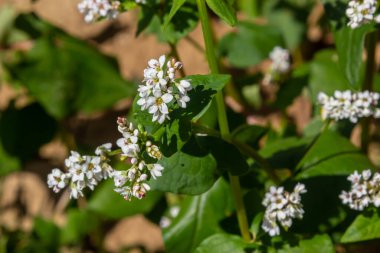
136	147
364	190
281	64
280	60
82	172
361	12
282	206
96	9
349	105
160	88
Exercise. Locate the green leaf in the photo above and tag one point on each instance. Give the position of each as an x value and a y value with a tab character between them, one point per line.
20	131
285	153
47	232
72	75
317	244
187	172
106	202
332	155
291	28
175	134
350	45
224	10
204	89
249	134
199	218
180	25
227	156
250	45
325	75
222	243
79	224
175	7
8	163
363	228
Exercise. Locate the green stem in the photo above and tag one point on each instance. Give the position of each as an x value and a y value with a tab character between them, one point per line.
222	117
261	161
368	85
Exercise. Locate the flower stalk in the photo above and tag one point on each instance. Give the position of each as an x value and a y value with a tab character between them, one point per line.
222	117
368	85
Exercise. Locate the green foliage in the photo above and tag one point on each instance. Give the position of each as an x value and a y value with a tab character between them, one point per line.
365	227
187	173
199	218
250	44
72	75
111	205
325	74
19	137
317	244
224	9
350	46
222	243
332	155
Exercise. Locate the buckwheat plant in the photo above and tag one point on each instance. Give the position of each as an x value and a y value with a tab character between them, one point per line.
361	12
282	207
365	190
160	89
349	105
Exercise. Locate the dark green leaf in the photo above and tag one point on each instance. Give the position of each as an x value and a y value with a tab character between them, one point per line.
227	156
175	7
187	173
363	228
20	130
317	244
106	202
331	155
222	243
325	75
249	134
285	153
250	45
72	75
199	218
350	45
180	25
224	10
79	224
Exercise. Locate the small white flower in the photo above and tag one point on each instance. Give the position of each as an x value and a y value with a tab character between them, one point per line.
156	170
57	180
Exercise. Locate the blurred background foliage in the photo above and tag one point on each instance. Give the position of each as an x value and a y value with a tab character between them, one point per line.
64	92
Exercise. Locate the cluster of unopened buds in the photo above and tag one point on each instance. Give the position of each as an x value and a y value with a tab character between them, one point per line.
136	147
361	12
349	105
365	190
160	88
282	207
280	65
82	172
87	171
